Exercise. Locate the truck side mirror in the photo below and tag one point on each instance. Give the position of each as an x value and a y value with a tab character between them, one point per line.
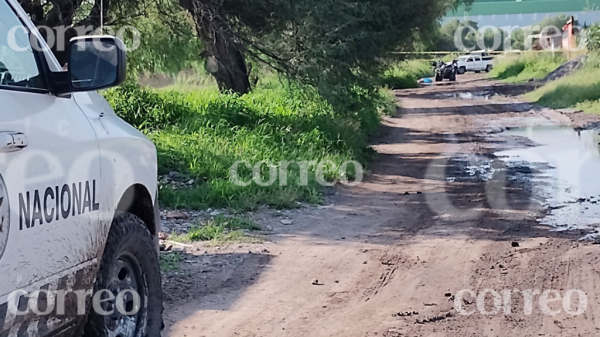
95	62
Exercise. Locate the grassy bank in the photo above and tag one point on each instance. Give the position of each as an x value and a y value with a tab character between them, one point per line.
580	90
201	134
523	68
405	74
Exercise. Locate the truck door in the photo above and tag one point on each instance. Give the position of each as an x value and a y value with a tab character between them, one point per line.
479	63
470	64
49	185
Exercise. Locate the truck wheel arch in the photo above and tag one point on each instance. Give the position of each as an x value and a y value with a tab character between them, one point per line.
138	201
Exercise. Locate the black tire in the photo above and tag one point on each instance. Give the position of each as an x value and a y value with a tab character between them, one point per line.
130	250
462	70
488	68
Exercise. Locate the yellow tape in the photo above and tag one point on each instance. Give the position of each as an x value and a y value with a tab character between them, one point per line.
466	53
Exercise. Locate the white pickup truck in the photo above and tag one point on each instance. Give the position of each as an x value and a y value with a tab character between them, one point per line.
476	63
79	216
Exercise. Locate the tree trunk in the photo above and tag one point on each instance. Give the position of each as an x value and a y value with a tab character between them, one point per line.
226	62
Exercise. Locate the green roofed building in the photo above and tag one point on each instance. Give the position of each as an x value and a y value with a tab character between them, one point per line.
511	7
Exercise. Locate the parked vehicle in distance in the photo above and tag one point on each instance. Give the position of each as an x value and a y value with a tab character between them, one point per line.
476	63
482	53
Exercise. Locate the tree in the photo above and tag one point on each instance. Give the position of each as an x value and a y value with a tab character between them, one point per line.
469	33
518	39
494	39
168	43
446	36
329	44
557	22
63	18
227	62
553	25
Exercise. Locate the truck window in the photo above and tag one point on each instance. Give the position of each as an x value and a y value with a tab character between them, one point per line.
470	60
18	65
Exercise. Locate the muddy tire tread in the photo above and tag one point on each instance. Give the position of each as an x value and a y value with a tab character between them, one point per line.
129	229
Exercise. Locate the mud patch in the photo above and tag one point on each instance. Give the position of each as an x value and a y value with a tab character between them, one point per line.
483	95
502	184
486	168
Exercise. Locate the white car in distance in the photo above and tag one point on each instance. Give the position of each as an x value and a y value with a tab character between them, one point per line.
475	63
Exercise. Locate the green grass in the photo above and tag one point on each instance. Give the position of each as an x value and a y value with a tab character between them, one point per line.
220	230
202	133
389	105
169	262
405	74
580	90
525	67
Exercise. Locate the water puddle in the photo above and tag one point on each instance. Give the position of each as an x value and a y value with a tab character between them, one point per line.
572	190
469	96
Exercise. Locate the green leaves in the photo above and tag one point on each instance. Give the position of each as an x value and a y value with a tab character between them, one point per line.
593	38
201	134
335	46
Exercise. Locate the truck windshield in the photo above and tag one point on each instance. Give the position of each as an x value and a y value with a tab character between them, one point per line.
18	66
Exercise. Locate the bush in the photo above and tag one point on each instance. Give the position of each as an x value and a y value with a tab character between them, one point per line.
593	38
201	134
526	67
405	74
579	90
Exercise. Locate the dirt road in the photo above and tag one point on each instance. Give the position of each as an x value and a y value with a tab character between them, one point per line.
422	227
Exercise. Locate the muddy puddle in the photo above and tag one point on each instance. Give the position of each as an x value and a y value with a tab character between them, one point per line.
468	96
570	185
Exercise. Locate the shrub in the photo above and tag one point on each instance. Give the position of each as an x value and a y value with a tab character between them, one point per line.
526	67
201	134
579	90
593	38
405	74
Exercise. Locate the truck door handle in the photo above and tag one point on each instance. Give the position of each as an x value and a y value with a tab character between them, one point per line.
11	141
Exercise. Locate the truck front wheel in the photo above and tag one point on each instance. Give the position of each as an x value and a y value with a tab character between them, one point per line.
462	70
130	281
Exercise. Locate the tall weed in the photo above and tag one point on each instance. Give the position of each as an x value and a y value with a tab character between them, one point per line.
579	90
201	134
405	74
525	67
